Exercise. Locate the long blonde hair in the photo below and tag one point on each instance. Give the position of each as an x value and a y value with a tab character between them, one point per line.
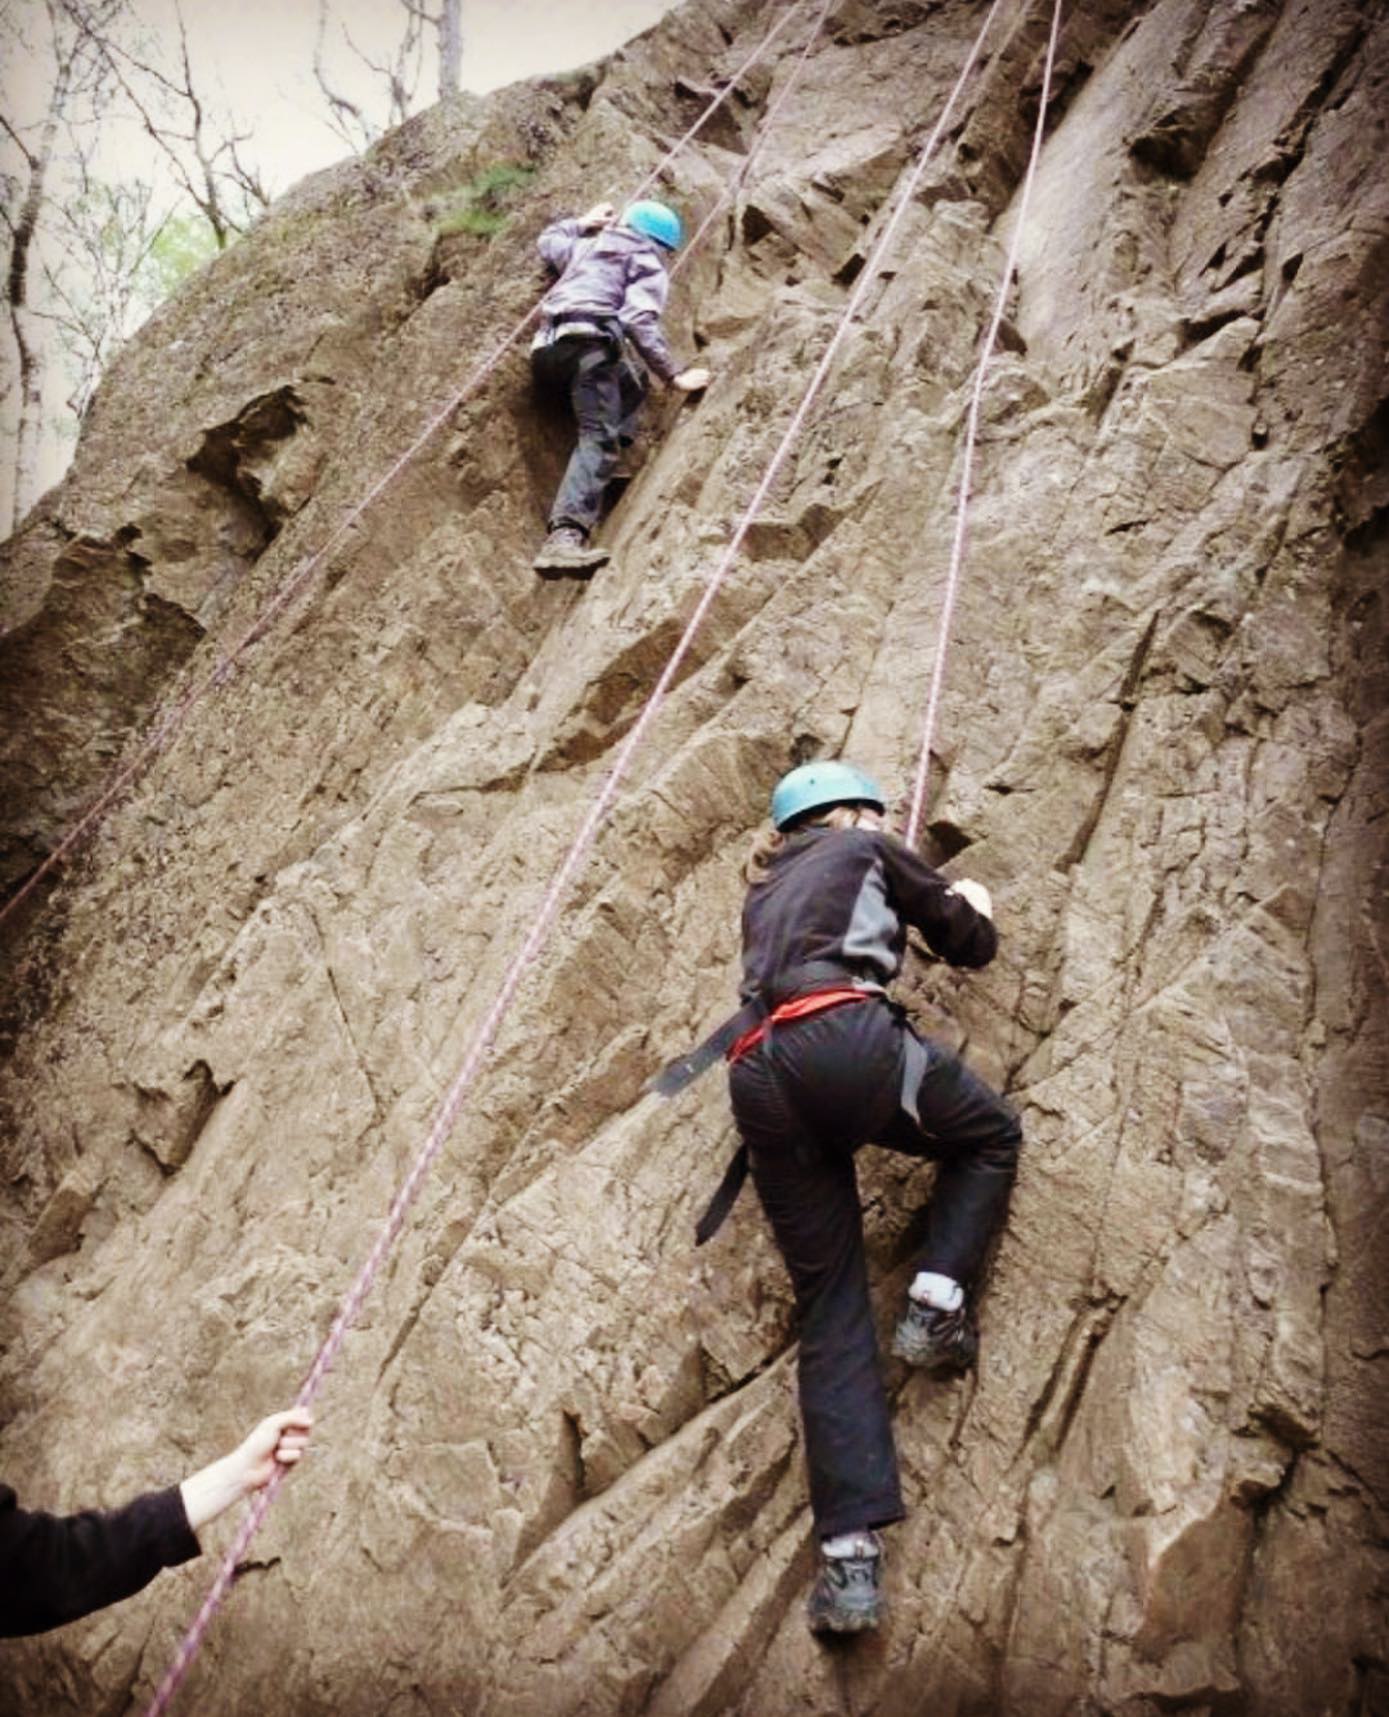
769	841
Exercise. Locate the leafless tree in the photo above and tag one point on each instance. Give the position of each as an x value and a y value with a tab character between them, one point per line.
77	244
77	84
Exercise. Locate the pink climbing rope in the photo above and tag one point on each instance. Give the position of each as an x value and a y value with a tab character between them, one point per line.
957	547
171	722
452	1103
739	179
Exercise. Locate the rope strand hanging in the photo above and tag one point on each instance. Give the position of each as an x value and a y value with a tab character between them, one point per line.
957	547
452	1103
171	723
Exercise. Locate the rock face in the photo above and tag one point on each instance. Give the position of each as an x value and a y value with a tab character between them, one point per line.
557	1465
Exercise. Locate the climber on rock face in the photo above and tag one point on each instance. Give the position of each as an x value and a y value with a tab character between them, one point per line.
609	297
832	1066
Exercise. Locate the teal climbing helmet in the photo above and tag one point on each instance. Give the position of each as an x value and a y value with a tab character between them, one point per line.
817	786
654	220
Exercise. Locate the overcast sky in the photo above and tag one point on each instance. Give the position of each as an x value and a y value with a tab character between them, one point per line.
262	52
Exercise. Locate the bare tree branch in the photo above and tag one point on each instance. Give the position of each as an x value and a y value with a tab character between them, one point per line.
398	75
104	236
78	254
18	140
192	140
346	119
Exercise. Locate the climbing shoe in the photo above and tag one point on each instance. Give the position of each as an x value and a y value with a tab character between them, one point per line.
567	553
845	1598
937	1340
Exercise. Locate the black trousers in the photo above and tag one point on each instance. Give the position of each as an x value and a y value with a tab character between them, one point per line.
605	392
805	1100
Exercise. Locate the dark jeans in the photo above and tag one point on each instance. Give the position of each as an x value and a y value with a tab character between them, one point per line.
606	393
805	1100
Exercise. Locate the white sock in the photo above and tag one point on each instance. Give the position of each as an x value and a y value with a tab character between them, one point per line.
850	1544
942	1292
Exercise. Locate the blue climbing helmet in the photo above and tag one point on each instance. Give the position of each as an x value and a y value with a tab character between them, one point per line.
654	220
817	786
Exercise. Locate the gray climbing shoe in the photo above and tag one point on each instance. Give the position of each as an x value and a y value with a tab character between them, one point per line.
567	553
845	1598
937	1340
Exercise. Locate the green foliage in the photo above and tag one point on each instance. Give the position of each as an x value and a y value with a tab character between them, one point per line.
480	206
184	244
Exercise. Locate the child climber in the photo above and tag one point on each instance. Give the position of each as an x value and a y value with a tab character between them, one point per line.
611	293
832	1066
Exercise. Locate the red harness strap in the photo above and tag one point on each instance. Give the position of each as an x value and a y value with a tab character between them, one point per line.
797	1008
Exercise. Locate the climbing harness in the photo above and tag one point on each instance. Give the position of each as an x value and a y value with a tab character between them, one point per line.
957	547
564	327
799	1007
171	723
728	1038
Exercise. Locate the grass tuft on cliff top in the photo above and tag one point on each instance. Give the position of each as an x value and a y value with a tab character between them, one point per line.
480	206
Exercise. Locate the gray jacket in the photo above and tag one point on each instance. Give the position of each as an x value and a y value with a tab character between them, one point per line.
610	273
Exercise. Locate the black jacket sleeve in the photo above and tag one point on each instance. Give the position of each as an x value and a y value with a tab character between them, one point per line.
954	930
54	1569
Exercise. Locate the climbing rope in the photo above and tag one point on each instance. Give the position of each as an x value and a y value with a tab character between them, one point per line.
957	547
452	1104
171	722
739	179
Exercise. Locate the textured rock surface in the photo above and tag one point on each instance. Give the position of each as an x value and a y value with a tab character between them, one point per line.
558	1466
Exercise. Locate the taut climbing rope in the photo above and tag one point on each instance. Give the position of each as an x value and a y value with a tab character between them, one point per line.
957	547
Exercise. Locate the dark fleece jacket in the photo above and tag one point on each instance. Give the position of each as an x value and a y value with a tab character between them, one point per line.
843	898
54	1569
